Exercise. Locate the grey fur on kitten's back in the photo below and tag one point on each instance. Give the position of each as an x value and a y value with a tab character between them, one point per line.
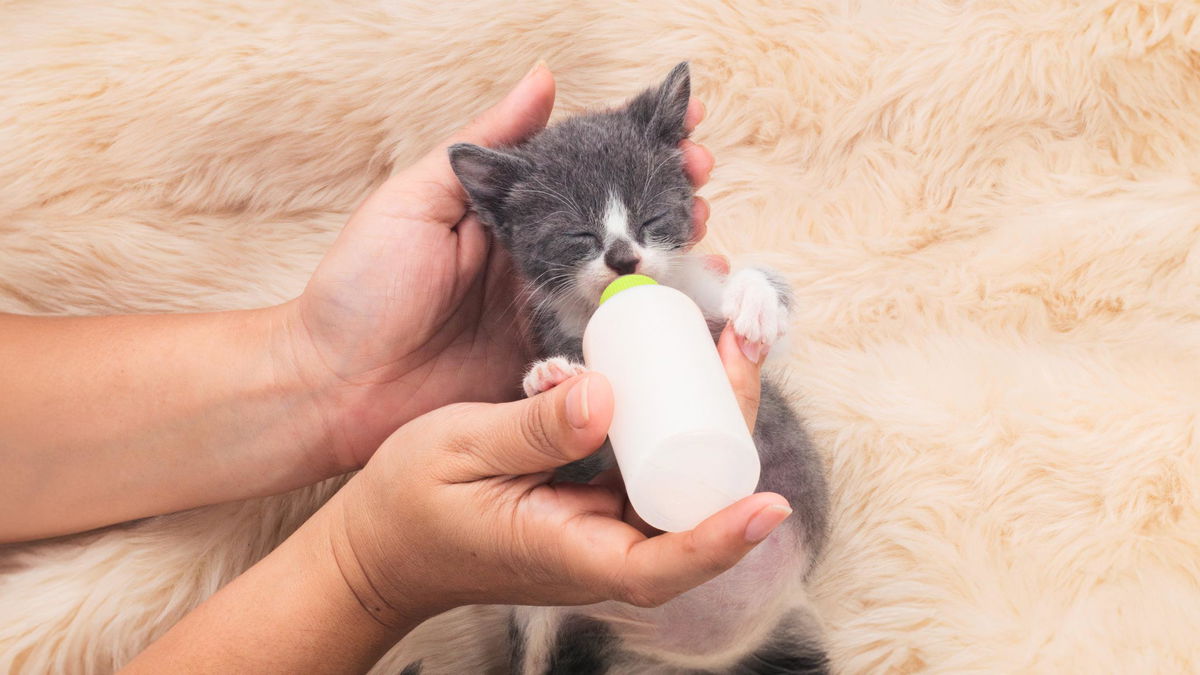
603	194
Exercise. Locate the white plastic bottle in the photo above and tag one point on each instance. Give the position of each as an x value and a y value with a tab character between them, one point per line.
678	433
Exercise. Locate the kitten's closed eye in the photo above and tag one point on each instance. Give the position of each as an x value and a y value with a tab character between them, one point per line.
651	222
588	238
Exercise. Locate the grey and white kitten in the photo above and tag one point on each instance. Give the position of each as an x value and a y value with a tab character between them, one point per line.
587	199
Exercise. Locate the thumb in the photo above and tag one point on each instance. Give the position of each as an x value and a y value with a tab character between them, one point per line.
539	434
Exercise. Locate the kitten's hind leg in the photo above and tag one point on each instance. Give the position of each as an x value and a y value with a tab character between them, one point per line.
738	623
794	649
549	373
557	641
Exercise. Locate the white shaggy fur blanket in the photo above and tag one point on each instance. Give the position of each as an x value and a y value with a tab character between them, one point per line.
990	211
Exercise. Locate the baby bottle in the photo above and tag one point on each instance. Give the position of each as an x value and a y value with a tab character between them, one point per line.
677	431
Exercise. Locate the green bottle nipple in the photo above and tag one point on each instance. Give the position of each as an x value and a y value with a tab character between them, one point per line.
624	282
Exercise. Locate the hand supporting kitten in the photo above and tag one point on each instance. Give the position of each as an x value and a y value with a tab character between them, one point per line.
608	193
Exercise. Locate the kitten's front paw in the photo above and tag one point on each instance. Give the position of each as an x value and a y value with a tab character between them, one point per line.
757	308
549	373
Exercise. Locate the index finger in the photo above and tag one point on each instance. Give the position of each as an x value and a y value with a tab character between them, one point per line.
649	571
744	374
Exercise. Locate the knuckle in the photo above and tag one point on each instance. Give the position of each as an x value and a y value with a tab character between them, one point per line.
713	564
706	559
463	438
640	592
536	424
637	596
751	392
647	597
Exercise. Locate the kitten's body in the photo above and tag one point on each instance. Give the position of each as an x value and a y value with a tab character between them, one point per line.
585	200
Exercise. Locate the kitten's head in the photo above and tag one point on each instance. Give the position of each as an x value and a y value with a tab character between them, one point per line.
592	197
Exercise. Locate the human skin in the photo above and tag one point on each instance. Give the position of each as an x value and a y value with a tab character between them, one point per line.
457	507
107	419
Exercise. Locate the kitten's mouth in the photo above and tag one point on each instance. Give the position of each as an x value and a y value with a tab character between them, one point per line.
591	300
593	286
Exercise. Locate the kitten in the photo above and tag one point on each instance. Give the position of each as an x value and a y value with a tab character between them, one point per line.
585	200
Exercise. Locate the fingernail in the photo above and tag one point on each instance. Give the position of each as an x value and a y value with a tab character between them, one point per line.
752	350
541	63
513	93
765	521
577	404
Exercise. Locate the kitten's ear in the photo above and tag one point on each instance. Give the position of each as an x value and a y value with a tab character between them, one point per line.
487	175
661	109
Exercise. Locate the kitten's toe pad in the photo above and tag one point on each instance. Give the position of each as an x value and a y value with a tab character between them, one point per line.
755	307
549	373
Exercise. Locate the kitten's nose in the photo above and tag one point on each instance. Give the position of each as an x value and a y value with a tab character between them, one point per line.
621	258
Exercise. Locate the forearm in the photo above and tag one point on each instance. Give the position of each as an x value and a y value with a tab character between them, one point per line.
292	612
106	419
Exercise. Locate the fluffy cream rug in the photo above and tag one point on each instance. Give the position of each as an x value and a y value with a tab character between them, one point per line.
990	210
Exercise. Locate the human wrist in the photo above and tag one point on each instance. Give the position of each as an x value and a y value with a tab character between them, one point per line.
291	612
395	602
333	409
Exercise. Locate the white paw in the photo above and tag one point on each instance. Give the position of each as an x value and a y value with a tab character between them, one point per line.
755	307
549	373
